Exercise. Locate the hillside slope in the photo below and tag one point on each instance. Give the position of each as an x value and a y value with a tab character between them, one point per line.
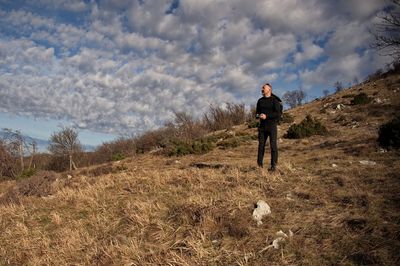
338	194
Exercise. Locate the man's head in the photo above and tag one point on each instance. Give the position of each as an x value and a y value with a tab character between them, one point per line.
266	90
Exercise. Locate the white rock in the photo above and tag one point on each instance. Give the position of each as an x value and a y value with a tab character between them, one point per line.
334	165
277	242
280	233
339	106
260	211
366	162
381	150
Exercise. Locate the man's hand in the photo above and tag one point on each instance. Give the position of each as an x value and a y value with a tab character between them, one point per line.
263	116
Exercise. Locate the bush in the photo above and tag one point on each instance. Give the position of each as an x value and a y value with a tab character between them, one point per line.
287	118
113	151
229	143
118	156
180	148
389	134
8	165
27	173
308	127
218	118
361	98
253	124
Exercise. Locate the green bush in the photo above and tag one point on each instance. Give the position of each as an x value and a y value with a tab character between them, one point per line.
389	134
308	127
229	143
27	173
287	118
361	98
181	148
118	156
253	124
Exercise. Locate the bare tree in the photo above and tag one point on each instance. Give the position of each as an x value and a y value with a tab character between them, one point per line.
338	86
294	98
66	143
325	92
15	144
387	31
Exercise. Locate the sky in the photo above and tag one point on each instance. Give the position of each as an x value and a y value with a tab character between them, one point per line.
120	68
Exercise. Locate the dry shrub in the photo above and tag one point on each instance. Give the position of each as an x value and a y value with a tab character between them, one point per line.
114	150
39	185
8	166
222	118
153	139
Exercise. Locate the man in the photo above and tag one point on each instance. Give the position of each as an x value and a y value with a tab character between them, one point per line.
268	111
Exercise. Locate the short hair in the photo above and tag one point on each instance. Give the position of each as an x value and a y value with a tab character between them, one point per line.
267	84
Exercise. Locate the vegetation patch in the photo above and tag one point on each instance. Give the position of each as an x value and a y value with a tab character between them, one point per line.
181	148
39	185
361	98
307	128
287	118
389	134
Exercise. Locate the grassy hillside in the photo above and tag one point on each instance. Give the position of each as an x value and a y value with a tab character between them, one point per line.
338	194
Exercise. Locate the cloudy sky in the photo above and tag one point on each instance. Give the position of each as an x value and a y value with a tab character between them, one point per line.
122	67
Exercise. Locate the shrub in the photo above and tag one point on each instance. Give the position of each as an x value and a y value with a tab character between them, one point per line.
287	118
8	165
41	184
114	150
181	148
222	118
308	127
361	98
389	134
229	143
253	124
118	156
27	173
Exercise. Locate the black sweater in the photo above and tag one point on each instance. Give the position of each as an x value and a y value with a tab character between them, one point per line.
269	106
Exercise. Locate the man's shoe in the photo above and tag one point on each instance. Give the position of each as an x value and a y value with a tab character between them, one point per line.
272	169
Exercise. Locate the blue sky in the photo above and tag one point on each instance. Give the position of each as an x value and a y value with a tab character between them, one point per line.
112	68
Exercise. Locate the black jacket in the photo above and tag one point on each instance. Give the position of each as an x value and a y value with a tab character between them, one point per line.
270	106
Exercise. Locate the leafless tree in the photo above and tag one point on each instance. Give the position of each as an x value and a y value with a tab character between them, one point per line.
294	98
15	143
325	92
387	31
65	143
338	86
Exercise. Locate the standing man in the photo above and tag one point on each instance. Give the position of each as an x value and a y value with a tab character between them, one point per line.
268	111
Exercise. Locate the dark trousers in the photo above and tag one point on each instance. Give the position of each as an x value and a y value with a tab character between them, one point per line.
271	131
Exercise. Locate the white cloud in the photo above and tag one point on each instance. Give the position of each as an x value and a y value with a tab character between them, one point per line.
310	51
128	66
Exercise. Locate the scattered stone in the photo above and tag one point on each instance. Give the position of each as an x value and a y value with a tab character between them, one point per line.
339	106
334	165
366	162
378	100
289	196
261	209
69	176
382	150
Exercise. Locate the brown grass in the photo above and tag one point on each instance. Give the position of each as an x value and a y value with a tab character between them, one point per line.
155	210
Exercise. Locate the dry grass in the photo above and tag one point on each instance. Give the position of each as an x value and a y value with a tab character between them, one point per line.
154	210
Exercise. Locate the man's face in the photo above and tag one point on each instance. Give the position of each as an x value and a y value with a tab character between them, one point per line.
266	90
